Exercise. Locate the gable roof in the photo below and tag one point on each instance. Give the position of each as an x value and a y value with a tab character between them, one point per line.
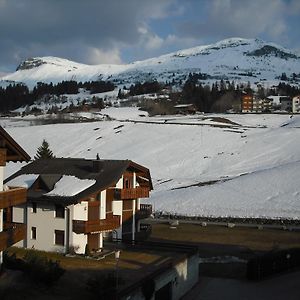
105	173
14	152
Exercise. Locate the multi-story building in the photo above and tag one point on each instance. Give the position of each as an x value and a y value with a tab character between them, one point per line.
247	103
76	203
10	232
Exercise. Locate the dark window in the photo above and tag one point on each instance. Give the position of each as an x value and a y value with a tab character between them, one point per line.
33	233
59	211
59	237
33	207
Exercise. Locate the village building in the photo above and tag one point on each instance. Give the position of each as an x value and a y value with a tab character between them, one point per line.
296	104
185	109
10	232
247	103
77	203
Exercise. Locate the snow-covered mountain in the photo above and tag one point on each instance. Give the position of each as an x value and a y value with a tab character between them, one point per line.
232	59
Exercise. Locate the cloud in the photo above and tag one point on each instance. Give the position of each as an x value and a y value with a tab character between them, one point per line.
42	27
98	56
249	19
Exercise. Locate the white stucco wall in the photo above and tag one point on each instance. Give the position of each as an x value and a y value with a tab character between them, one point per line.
119	184
117	207
45	222
18	216
18	213
80	211
103	205
79	242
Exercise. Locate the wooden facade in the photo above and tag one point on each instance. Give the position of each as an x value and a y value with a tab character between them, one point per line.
2	157
13	234
13	197
96	226
132	193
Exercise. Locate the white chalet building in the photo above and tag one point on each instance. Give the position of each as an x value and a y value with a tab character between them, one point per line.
77	202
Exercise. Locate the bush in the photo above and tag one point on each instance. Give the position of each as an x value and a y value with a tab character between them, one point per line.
41	269
38	268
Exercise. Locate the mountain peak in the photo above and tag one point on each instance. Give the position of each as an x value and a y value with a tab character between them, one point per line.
30	63
234	58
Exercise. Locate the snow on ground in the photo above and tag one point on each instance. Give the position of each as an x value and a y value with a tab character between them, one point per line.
70	186
124	113
180	157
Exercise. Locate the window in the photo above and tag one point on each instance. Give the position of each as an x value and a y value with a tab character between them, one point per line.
59	211
33	207
59	237
33	233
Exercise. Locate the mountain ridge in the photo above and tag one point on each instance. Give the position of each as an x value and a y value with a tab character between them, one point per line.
231	59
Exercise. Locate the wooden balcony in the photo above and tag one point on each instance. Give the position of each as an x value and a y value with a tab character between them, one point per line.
13	197
138	192
15	233
144	212
97	225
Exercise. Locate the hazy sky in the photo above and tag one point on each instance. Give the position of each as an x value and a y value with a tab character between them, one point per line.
120	31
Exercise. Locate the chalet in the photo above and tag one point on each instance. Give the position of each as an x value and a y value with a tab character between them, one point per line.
76	203
10	233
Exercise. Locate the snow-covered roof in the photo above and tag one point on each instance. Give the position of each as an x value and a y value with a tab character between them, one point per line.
69	186
183	105
24	180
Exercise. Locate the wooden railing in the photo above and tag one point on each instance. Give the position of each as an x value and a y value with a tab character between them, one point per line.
96	226
133	193
15	233
13	197
144	212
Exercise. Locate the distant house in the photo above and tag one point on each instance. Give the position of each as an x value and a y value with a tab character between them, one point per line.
76	203
185	109
296	105
283	103
10	232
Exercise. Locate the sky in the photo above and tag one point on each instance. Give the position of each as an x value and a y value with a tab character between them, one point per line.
123	31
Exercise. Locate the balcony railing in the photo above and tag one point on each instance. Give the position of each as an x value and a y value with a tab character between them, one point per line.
15	233
133	193
13	197
97	225
144	212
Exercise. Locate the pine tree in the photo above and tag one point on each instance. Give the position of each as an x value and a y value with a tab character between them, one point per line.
44	151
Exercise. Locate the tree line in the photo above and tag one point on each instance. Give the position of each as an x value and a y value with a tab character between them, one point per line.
16	95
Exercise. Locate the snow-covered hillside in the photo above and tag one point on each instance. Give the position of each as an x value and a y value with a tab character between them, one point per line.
233	59
206	165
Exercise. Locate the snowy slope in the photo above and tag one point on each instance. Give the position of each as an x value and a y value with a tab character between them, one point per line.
233	59
185	152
